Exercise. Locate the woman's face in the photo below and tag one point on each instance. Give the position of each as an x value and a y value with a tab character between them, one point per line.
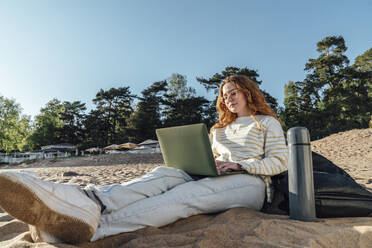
235	100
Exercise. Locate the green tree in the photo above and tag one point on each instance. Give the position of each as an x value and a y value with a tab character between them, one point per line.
181	106
15	127
48	125
322	88
113	108
95	130
334	96
73	117
363	62
363	65
214	82
291	115
186	111
147	117
177	87
363	82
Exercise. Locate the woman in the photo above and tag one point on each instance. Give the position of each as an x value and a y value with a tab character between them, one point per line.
247	136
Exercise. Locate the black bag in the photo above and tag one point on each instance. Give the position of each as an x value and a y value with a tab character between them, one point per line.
336	192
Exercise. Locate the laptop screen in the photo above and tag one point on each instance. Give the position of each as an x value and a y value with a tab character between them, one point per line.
187	148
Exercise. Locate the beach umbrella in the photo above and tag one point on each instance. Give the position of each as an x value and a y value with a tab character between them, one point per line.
149	142
128	145
112	147
93	149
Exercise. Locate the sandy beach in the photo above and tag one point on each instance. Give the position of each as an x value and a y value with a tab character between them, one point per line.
239	227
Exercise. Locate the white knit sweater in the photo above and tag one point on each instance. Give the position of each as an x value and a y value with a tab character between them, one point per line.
259	152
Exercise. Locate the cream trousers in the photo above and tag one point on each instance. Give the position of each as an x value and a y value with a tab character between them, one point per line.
166	194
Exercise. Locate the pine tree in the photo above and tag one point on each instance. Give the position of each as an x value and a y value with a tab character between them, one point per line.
291	115
214	82
181	105
113	108
147	117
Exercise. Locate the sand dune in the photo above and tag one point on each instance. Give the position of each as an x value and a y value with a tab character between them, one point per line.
239	227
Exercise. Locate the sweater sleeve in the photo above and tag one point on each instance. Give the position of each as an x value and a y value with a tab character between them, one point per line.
275	156
215	153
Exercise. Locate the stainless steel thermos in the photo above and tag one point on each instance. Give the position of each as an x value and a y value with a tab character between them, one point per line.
300	175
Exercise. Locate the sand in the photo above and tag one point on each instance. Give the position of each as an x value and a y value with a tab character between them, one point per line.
238	227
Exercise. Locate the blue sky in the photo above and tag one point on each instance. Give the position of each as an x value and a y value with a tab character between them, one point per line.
70	49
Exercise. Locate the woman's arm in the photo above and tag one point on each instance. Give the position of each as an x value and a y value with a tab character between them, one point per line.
276	153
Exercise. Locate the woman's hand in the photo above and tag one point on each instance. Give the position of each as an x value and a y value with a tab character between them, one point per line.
227	166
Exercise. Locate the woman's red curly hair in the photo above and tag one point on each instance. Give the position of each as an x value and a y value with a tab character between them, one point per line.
255	100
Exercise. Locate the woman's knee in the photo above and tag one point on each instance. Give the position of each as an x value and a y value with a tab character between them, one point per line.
234	181
227	191
170	172
233	191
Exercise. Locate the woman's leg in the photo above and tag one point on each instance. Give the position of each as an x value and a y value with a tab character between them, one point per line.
194	197
158	181
62	210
